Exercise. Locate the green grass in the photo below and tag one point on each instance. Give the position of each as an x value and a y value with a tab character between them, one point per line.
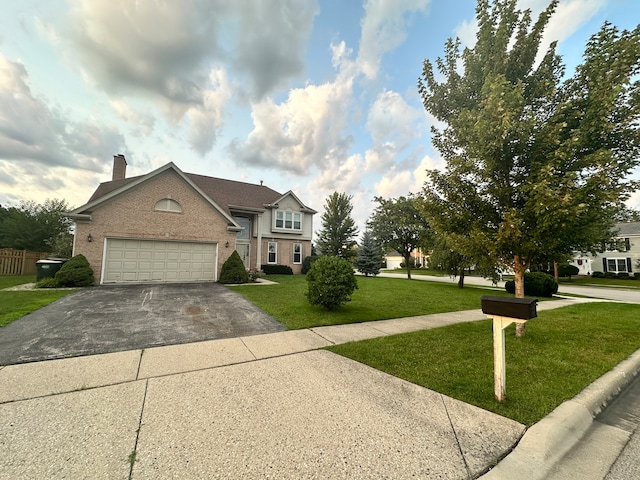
377	298
7	281
562	352
14	305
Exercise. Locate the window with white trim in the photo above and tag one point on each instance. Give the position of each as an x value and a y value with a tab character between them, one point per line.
272	252
168	205
297	253
288	220
616	265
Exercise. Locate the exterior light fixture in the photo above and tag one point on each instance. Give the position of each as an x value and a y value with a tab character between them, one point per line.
226	244
89	238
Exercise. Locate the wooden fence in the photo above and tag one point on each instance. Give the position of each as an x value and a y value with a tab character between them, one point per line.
19	262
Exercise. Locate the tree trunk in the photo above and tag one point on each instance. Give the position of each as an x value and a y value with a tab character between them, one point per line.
408	265
518	279
461	278
556	275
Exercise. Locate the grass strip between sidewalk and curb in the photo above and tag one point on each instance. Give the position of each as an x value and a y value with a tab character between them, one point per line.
563	351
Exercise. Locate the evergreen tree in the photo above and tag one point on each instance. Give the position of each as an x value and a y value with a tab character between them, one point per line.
337	237
369	258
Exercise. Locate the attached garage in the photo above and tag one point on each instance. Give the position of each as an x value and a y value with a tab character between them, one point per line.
134	260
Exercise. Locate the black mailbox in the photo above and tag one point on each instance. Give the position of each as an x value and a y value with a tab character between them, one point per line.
522	308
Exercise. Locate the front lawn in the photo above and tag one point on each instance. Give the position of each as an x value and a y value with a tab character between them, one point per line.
16	304
377	298
563	351
7	281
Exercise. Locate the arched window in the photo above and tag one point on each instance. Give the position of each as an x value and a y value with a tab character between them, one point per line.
168	205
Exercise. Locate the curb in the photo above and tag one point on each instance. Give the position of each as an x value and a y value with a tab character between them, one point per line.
548	441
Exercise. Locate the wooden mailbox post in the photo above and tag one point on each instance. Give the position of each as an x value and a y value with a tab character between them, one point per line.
505	311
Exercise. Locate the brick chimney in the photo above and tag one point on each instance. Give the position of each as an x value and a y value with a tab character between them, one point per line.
119	167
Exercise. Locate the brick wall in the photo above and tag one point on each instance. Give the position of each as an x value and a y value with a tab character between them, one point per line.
132	215
285	252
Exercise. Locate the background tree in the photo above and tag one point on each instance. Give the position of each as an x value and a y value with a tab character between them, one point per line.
397	224
38	227
527	154
369	259
339	231
626	214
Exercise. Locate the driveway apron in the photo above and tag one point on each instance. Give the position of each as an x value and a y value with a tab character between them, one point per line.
127	317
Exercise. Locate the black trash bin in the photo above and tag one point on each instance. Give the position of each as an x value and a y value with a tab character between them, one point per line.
49	267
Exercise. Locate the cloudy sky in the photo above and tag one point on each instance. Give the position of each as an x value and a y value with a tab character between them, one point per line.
314	96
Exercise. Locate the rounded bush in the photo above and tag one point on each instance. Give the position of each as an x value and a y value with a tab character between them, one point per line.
536	284
331	282
597	275
76	272
567	270
510	286
233	270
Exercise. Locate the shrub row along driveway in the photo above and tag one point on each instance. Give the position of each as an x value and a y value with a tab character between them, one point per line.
127	317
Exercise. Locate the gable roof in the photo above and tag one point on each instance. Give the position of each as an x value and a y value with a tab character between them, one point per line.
629	228
219	192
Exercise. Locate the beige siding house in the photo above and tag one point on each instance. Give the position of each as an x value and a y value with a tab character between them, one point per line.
620	256
171	226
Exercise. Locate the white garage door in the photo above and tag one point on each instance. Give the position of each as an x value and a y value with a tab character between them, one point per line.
158	261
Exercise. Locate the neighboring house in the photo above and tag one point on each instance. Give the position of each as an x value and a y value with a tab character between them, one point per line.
170	226
619	256
394	259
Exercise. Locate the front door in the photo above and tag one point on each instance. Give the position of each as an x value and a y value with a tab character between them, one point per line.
244	250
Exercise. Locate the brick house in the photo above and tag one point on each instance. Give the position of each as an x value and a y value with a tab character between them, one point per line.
171	226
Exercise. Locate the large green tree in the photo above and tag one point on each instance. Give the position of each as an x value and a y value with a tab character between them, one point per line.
37	226
530	154
338	235
398	225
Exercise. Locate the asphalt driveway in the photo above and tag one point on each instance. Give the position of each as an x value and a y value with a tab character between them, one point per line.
126	317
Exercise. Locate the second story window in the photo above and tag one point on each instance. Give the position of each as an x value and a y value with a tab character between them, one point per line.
289	220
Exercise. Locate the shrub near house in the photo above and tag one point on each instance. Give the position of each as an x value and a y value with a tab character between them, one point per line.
76	272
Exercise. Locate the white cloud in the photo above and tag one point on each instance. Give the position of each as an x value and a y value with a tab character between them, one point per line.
383	29
30	130
393	125
141	124
466	31
568	17
304	131
206	120
43	153
271	41
179	54
403	182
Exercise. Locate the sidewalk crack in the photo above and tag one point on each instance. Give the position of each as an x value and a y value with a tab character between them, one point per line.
134	452
455	435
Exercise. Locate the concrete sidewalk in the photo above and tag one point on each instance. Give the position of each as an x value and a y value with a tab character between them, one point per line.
264	406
